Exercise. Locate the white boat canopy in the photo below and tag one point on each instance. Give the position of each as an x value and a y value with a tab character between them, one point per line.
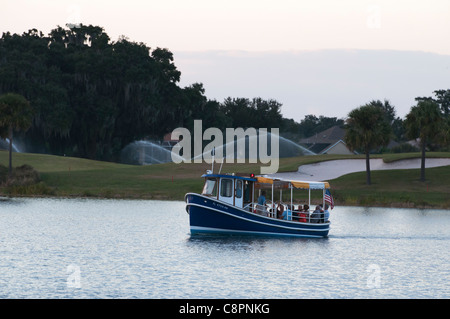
280	183
284	183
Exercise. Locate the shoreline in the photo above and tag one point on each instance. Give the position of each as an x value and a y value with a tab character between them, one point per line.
396	205
66	177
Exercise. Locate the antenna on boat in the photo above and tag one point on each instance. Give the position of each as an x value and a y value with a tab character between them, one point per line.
212	163
213	153
221	166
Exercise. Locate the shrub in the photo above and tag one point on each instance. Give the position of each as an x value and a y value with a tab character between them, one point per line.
404	148
23	175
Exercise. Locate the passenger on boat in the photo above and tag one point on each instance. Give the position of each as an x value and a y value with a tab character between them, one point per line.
326	214
262	198
302	217
295	212
316	215
280	210
261	204
321	214
287	214
302	213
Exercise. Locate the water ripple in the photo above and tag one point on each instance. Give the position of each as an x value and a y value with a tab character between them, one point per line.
68	248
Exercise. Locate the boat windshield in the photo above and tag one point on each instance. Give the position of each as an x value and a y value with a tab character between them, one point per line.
210	187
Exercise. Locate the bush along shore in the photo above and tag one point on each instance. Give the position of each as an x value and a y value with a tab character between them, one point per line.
39	175
24	181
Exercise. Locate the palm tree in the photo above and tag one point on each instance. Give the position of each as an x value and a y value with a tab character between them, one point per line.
15	114
425	121
367	129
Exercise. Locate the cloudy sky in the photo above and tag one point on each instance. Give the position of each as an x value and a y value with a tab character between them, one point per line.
321	57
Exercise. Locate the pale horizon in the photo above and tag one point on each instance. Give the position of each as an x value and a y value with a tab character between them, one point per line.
401	43
249	25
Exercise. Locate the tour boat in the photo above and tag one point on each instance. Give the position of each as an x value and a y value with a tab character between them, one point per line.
228	205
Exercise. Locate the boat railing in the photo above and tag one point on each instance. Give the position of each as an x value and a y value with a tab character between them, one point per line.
291	215
261	210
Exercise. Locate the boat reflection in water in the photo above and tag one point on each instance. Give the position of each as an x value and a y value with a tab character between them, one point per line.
228	205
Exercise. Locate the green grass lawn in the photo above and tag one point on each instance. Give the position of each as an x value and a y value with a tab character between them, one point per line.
75	177
400	188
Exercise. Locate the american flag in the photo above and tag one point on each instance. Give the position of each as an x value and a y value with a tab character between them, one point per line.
329	198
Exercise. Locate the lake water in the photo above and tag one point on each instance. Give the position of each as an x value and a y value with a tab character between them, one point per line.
84	248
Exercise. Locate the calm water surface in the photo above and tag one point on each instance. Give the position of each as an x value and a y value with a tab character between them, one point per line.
75	248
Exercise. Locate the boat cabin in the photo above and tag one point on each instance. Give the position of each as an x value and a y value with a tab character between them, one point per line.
231	189
239	190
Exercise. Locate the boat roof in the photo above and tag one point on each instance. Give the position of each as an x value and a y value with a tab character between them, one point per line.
230	176
277	182
284	183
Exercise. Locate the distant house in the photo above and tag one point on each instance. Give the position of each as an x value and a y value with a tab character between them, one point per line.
330	141
168	141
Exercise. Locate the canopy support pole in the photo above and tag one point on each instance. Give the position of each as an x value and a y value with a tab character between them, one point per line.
253	196
323	199
292	188
272	210
309	203
309	198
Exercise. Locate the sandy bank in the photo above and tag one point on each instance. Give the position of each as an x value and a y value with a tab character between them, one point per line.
332	169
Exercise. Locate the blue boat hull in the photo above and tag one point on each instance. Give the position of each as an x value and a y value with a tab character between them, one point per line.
208	215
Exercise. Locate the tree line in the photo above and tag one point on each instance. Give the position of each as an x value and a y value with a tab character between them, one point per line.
90	97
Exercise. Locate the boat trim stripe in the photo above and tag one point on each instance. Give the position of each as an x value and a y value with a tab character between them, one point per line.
222	230
259	222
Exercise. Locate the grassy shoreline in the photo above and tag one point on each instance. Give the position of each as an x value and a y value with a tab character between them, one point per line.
75	177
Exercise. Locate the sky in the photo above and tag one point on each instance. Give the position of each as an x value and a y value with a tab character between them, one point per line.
322	57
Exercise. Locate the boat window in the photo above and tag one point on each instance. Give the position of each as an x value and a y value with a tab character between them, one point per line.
238	188
210	187
247	191
226	187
